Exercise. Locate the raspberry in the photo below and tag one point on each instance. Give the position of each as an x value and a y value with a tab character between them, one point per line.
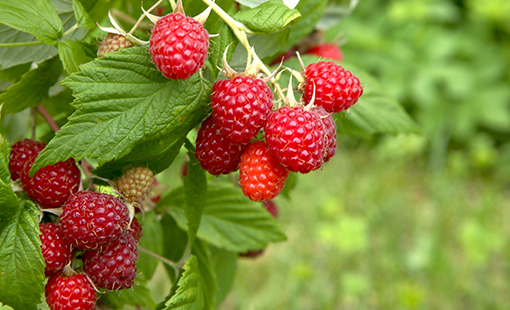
295	137
21	152
112	43
330	142
90	219
135	229
252	253
241	106
135	184
178	46
262	177
56	251
70	293
113	267
52	185
326	50
336	89
217	154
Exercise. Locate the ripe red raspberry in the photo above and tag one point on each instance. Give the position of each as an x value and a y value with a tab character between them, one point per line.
241	106
326	50
90	219
21	152
112	43
135	184
52	185
113	267
336	89
217	154
56	250
178	46
70	293
330	142
135	229
295	137
262	177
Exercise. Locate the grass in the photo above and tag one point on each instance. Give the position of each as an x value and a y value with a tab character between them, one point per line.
372	232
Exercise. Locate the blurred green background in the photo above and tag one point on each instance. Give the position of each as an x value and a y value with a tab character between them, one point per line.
408	221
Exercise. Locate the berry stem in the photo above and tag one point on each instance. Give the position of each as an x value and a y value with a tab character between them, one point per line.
73	28
15	44
175	266
41	109
143	16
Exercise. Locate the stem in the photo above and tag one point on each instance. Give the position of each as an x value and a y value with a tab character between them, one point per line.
73	28
175	266
16	44
143	16
40	108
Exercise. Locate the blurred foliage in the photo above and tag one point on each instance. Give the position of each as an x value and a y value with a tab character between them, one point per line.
445	61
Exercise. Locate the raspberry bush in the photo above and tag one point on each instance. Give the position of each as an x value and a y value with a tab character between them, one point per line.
104	118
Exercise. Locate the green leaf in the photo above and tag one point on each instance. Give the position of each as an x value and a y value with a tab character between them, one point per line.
14	73
230	220
73	54
289	185
138	295
21	261
123	101
175	236
224	263
311	12
189	295
38	81
12	56
37	17
9	204
208	282
251	3
81	15
195	193
152	240
219	43
269	17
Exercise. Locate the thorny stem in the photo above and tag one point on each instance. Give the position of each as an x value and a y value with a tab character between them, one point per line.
240	31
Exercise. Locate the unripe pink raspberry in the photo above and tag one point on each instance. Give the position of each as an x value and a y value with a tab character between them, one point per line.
135	184
112	43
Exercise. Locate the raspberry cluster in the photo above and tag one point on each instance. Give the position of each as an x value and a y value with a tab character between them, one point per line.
98	225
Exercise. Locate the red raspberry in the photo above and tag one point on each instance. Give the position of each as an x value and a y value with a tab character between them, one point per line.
70	293
21	152
330	142
295	137
113	267
241	106
56	250
262	177
336	89
90	219
216	153
135	184
135	229
52	185
112	43
326	50
178	46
